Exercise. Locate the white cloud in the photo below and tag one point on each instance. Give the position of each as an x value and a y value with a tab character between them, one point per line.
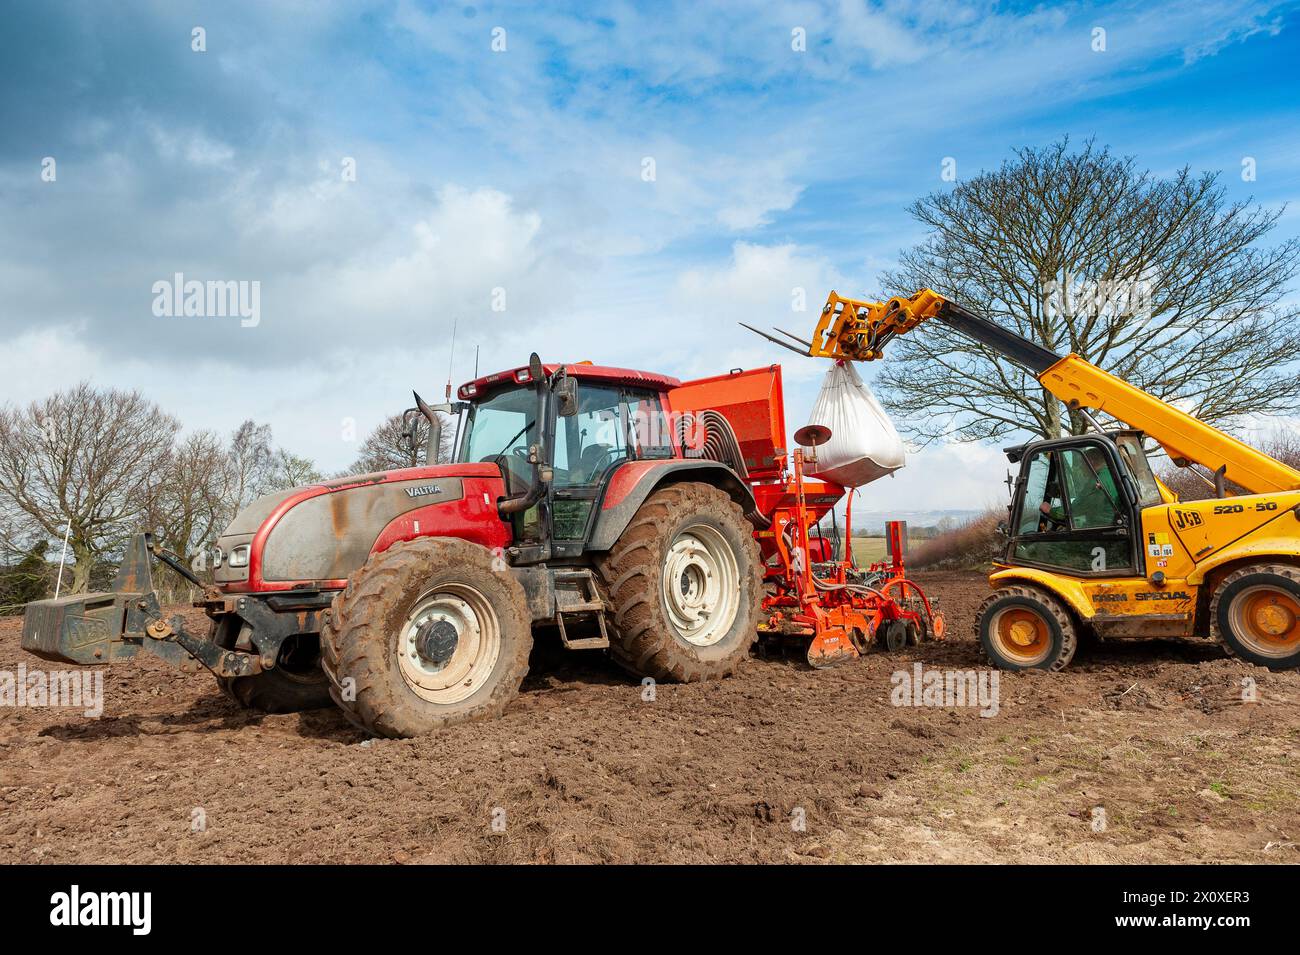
522	171
764	286
446	263
882	37
1235	33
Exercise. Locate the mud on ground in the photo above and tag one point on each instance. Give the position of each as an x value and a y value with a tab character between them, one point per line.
1137	753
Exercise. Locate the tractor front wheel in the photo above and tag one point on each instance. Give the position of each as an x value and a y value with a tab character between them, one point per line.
1255	613
429	633
1023	628
685	580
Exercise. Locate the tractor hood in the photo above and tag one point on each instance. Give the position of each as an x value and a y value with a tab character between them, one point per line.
319	535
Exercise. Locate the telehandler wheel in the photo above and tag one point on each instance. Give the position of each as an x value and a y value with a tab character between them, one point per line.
686	584
292	686
1255	613
1023	628
427	634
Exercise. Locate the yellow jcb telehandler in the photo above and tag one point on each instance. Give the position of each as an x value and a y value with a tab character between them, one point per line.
1094	540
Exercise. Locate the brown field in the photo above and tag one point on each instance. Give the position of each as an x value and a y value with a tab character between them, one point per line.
581	769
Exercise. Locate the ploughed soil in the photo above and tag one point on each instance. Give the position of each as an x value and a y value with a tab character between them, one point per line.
1136	753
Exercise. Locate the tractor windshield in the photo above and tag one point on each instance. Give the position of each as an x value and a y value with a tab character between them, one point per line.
503	424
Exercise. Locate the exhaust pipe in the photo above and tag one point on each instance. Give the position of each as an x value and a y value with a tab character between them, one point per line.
433	446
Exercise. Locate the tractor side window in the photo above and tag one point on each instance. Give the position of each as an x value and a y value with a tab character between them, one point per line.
650	435
588	443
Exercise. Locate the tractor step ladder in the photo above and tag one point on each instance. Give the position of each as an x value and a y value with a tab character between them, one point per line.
575	592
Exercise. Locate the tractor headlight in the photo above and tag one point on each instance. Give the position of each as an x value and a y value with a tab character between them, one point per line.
217	556
238	556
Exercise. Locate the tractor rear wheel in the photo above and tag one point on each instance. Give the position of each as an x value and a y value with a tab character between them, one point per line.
686	583
1255	613
1023	628
429	633
294	684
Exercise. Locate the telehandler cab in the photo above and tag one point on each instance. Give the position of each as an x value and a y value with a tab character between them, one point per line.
1093	538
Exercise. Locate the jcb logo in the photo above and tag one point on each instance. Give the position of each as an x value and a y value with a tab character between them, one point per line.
1186	519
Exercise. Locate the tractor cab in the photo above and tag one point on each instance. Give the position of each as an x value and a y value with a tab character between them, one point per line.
593	419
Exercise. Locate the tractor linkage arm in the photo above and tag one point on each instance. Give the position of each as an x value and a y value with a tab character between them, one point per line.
854	330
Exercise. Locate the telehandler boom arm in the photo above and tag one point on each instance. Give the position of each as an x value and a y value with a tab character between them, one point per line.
855	330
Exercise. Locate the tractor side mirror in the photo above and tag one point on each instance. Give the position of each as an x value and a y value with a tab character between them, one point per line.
1002	528
566	396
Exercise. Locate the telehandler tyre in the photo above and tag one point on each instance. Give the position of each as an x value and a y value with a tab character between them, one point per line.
427	634
1255	614
1023	628
686	584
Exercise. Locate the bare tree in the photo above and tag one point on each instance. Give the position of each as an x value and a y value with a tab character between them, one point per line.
253	467
186	505
1159	281
250	463
83	459
289	470
24	579
447	437
386	447
24	573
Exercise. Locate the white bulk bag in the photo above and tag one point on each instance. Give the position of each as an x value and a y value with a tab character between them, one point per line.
864	445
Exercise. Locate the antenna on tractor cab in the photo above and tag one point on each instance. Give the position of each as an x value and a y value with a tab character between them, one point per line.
451	361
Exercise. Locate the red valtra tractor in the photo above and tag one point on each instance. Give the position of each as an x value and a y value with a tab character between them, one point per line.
624	510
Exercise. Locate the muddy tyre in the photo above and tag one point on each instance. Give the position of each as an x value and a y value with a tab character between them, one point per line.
685	582
1023	628
427	634
1255	614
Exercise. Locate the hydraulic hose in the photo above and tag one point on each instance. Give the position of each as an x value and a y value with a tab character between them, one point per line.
720	444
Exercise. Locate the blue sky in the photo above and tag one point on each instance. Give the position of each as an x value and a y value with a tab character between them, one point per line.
522	170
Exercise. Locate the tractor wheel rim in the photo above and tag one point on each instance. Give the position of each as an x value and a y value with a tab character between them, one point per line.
463	661
1267	620
1021	634
701	585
